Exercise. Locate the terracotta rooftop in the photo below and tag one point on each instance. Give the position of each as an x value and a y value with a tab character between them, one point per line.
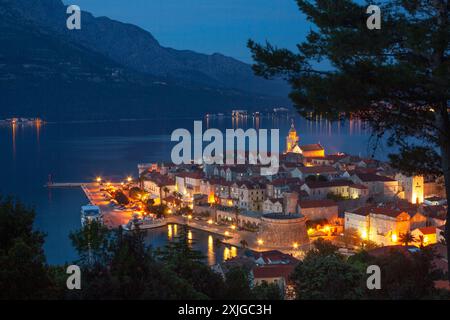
329	157
318	169
286	181
427	230
273	271
316	203
159	179
358	186
312	147
275	256
191	174
372	177
328	184
387	210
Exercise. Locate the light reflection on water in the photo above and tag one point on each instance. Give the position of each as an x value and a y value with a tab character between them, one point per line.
209	244
77	152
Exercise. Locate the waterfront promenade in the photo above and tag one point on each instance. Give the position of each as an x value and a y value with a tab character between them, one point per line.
113	217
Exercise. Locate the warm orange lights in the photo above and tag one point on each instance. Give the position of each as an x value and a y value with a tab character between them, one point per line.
260	242
210	221
99	179
295	245
227	233
211	198
364	234
129	179
233	227
394	237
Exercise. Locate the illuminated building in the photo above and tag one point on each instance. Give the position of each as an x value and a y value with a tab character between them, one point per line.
309	151
412	188
380	224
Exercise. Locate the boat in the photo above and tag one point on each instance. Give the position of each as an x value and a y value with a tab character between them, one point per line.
90	213
143	223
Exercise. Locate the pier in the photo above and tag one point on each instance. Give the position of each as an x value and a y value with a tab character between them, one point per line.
65	184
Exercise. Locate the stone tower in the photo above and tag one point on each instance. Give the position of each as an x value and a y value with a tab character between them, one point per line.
292	138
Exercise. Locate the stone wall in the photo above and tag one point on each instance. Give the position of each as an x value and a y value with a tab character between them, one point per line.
283	231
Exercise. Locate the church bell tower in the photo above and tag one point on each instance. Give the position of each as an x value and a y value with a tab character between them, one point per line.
292	138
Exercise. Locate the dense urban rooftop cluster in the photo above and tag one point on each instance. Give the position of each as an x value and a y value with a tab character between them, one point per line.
347	199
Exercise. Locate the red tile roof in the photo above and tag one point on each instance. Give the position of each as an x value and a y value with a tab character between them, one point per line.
273	271
371	177
159	179
318	169
329	157
316	203
373	209
286	181
358	186
275	255
328	184
437	212
428	230
193	175
312	147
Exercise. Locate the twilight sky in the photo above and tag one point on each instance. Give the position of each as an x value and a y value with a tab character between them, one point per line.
208	26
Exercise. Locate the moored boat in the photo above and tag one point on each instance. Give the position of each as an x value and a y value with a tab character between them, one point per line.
143	223
90	213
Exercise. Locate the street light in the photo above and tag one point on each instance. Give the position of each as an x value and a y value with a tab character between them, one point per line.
99	179
129	179
295	245
260	242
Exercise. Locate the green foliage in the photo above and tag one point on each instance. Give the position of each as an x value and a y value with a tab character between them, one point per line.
188	264
24	273
160	210
406	238
92	243
406	277
266	291
126	269
351	237
322	248
121	198
327	277
135	193
395	79
185	211
237	284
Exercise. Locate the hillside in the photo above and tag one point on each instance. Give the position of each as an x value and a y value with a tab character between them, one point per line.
137	49
44	73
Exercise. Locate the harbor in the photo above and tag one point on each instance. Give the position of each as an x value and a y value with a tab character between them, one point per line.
114	216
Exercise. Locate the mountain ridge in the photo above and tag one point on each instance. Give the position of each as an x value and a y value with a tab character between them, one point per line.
47	74
136	48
